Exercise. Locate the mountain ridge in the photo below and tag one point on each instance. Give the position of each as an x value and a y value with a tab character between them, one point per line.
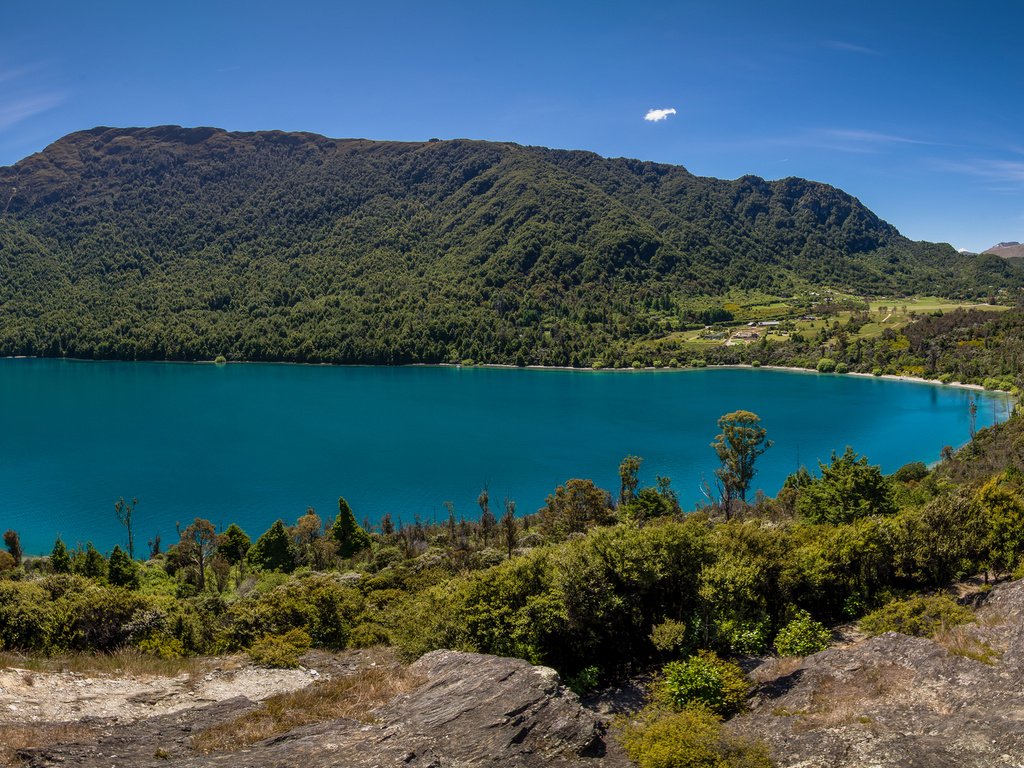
193	242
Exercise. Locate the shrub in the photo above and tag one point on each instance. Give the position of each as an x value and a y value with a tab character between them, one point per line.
584	681
704	680
162	646
367	635
756	364
698	363
669	636
802	636
842	368
849	489
692	738
917	616
743	637
877	371
281	651
318	604
826	365
911	473
637	365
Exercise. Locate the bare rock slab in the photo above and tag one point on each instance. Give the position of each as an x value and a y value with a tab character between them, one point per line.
471	711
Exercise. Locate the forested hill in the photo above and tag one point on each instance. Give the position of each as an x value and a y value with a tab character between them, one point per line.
189	243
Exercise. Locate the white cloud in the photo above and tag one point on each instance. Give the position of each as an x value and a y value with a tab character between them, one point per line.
841	45
656	115
1006	171
22	109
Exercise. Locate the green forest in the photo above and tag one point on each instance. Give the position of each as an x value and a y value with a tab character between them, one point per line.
188	244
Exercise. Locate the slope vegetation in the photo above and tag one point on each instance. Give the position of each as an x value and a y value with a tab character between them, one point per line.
188	243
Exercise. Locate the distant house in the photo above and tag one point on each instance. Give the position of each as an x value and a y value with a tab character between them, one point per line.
752	335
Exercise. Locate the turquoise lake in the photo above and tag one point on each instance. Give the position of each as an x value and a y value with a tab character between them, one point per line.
255	442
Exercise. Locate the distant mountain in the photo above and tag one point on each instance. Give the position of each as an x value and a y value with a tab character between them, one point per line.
187	243
1011	250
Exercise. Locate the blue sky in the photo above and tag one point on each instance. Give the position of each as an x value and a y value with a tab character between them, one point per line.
914	107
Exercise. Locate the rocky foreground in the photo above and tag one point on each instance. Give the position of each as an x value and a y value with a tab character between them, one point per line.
902	701
886	701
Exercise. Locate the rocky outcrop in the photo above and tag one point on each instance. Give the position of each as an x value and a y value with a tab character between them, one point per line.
901	701
471	710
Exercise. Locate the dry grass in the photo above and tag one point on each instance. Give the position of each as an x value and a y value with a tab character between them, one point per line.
15	737
126	662
961	641
842	702
776	668
353	696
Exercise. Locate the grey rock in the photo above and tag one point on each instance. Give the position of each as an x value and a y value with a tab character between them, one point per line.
901	701
471	710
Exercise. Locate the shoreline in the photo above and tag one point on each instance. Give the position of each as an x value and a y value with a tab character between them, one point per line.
510	366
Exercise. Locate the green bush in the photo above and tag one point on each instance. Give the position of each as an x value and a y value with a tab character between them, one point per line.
319	604
584	681
744	638
704	680
669	636
756	364
842	368
849	489
367	635
802	636
280	651
698	363
692	738
826	365
164	647
917	616
911	473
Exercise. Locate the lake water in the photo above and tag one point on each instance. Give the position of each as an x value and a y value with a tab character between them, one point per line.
252	443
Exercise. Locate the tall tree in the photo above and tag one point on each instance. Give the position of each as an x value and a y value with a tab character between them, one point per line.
198	543
573	508
13	544
121	570
738	445
274	550
628	479
509	526
233	544
487	520
347	532
849	488
90	563
125	511
307	531
60	560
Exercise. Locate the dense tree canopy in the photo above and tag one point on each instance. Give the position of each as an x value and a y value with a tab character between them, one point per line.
171	243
